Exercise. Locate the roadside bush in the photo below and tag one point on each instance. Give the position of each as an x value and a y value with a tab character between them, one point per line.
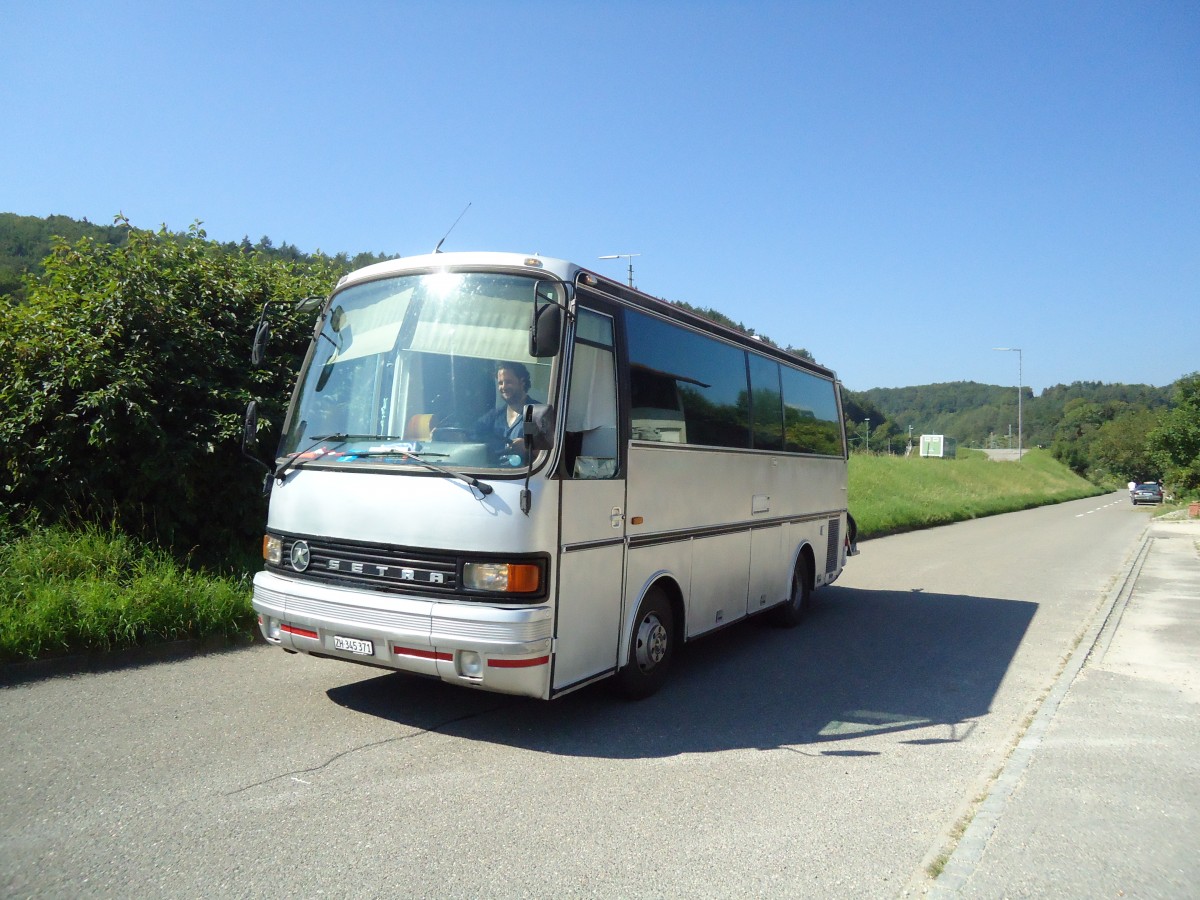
70	592
1175	444
128	374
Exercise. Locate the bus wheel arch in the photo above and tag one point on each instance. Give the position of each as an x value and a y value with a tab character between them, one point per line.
790	613
653	639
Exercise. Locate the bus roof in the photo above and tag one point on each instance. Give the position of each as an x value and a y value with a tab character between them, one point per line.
560	268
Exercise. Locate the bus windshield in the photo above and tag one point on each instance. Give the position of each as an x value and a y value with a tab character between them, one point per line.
434	366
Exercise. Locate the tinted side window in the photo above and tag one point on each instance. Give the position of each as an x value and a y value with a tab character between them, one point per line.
708	379
767	406
810	414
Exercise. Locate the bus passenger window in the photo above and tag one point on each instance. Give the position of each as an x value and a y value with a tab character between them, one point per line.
766	402
707	376
811	423
657	410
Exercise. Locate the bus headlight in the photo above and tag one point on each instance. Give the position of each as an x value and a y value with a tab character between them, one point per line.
272	549
508	578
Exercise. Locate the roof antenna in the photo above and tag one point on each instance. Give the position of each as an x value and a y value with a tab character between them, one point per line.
438	248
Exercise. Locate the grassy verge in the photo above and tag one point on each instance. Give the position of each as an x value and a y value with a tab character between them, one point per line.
889	494
72	592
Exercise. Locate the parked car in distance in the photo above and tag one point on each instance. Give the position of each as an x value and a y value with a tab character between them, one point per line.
1146	493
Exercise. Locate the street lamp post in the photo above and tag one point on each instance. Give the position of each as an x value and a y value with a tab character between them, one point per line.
1020	390
628	256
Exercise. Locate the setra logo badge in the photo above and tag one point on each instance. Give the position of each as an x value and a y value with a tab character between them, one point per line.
301	556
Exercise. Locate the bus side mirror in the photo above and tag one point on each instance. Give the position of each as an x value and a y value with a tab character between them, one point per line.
262	334
250	441
545	326
250	427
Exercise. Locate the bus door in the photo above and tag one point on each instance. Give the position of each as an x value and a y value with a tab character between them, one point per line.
591	559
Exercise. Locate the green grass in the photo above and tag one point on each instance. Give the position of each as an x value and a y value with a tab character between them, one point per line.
79	591
66	592
889	494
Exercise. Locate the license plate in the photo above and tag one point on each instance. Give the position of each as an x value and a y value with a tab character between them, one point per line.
354	645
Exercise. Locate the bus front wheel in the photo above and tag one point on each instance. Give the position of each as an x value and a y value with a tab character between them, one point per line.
651	647
789	613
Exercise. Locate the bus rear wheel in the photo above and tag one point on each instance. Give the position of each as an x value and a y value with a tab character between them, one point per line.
651	647
789	614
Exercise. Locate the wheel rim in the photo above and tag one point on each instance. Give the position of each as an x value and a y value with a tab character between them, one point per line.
651	644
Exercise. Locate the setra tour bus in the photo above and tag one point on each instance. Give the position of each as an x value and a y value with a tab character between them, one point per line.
510	473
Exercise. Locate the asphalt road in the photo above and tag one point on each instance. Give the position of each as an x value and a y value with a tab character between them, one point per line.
834	760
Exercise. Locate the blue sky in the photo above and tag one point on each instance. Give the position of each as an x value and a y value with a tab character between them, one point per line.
898	187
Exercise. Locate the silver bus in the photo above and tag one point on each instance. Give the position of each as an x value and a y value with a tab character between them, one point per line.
513	474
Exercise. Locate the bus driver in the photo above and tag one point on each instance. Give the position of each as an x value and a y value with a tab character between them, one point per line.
505	425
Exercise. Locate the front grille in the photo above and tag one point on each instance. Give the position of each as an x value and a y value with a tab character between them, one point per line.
413	571
392	569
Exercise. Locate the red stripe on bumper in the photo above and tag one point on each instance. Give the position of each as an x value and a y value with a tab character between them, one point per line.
518	663
300	632
422	654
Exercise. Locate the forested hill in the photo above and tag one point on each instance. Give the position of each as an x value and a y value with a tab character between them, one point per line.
25	241
981	414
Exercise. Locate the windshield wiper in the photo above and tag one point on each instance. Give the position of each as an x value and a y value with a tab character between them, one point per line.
296	459
474	482
339	438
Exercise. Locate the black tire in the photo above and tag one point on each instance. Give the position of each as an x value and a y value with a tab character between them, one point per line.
651	647
790	614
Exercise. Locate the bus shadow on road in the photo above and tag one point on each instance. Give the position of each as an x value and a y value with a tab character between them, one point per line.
862	664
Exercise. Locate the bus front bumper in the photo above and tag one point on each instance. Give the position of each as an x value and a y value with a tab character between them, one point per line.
497	648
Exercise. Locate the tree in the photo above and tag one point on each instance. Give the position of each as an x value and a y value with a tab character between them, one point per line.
858	408
128	373
26	240
1121	448
1076	433
800	352
1175	443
